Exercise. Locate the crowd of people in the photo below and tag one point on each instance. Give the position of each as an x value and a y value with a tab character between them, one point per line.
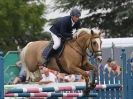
48	76
51	76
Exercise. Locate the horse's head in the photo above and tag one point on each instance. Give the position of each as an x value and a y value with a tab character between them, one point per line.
95	44
92	38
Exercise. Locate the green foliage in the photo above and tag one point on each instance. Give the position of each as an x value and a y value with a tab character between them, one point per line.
115	16
21	22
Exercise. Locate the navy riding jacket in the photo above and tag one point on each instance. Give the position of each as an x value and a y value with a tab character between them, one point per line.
63	27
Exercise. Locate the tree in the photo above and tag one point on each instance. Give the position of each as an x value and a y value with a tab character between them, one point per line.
21	22
114	16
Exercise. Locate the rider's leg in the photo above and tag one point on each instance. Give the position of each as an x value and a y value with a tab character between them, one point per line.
52	47
47	52
57	41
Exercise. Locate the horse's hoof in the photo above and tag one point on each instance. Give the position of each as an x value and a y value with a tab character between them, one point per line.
86	92
92	85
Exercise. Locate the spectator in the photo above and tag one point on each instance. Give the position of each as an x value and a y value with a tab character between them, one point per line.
108	63
78	78
60	77
115	68
69	78
47	77
22	75
53	71
41	69
112	66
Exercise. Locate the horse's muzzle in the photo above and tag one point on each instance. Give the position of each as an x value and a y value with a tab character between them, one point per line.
98	56
99	59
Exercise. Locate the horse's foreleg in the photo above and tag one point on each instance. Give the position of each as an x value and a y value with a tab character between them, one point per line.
94	74
86	91
89	66
75	70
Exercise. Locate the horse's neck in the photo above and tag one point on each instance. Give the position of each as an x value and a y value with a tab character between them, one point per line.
80	43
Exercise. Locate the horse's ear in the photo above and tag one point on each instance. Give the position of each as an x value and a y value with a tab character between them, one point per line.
92	32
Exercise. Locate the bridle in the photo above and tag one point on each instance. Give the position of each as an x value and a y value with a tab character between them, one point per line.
95	53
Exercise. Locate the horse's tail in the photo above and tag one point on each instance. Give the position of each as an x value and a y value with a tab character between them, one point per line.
29	75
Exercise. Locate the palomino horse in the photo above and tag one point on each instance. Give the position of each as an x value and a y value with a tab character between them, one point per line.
72	58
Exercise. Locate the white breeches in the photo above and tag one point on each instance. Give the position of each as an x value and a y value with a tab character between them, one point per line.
57	41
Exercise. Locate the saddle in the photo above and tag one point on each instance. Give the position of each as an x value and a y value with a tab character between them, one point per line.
57	53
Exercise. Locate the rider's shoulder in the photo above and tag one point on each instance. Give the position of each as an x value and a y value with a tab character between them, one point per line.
65	18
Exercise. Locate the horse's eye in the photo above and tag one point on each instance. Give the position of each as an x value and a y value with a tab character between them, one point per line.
94	43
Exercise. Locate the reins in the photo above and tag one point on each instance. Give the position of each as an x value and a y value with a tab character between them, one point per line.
76	49
96	53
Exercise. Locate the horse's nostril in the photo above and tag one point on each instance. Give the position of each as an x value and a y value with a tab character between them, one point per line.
99	59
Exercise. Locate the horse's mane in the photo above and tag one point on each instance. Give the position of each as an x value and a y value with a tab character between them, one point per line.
86	30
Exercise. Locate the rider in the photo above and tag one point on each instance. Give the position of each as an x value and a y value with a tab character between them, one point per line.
62	30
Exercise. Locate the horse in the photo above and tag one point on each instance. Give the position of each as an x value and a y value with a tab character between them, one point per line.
72	59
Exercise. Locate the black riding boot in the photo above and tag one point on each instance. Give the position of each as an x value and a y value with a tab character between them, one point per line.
47	53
